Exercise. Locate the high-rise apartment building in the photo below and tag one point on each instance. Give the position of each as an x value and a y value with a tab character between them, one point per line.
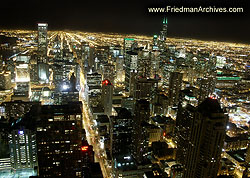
207	133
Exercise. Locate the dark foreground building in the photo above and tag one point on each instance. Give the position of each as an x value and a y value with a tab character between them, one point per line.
207	133
60	149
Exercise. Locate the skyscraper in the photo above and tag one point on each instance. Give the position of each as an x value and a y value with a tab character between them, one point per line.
208	129
42	42
61	152
206	88
143	88
163	34
108	72
140	144
23	153
131	61
182	130
121	133
128	57
175	82
43	68
107	94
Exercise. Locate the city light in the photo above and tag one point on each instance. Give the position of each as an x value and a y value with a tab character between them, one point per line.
65	87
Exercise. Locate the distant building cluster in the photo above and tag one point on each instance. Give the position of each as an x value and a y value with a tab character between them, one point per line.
93	105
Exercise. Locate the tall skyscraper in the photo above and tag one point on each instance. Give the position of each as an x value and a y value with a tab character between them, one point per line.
144	63
208	129
121	133
155	63
61	152
108	72
163	34
175	82
182	130
140	144
119	69
85	56
129	56
206	88
42	42
43	68
107	95
131	60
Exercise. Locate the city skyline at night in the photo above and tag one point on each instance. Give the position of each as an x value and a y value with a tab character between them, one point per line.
130	17
111	90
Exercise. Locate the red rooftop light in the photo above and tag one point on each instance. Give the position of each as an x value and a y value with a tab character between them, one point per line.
84	148
213	97
106	82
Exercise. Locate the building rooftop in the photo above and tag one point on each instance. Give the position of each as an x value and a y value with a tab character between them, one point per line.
238	155
209	106
102	119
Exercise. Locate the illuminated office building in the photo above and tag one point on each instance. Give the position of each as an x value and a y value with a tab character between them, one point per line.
167	68
22	91
175	84
85	54
131	64
23	58
163	34
5	80
119	69
33	69
107	95
42	42
23	152
144	63
206	88
143	88
127	47
68	92
43	68
121	133
140	136
155	43
22	73
108	72
155	63
43	72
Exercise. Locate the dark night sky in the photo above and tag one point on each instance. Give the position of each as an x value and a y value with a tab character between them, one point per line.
129	16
